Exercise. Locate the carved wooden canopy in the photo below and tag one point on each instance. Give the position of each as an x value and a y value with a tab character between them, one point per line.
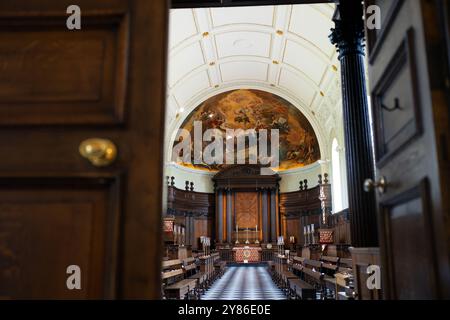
245	178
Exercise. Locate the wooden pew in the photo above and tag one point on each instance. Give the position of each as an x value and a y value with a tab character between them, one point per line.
346	263
172	271
220	267
280	263
181	290
301	289
331	267
312	274
285	277
189	266
329	264
201	283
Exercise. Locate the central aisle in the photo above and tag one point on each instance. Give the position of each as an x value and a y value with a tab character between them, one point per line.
244	283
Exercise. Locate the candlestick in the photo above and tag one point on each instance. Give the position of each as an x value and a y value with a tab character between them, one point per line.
308	232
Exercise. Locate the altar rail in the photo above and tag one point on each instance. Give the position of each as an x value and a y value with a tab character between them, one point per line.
226	255
267	255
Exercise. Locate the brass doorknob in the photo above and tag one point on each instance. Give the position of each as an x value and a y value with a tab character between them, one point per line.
380	185
100	152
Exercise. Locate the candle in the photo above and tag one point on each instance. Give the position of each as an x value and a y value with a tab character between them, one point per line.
256	228
312	228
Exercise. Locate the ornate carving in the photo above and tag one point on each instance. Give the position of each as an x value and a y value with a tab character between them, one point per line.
348	34
245	177
247	209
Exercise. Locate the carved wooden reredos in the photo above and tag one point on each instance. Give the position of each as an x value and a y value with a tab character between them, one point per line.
245	178
246	199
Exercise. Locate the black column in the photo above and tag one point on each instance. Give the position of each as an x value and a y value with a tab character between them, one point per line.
348	36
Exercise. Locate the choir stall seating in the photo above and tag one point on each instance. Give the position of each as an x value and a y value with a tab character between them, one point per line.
302	278
188	278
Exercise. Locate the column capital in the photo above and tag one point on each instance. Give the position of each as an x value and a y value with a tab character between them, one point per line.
348	34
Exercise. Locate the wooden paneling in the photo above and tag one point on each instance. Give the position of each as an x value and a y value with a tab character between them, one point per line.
340	223
58	88
411	209
43	232
407	63
52	76
293	229
397	111
244	178
305	202
182	201
362	258
377	36
202	227
246	210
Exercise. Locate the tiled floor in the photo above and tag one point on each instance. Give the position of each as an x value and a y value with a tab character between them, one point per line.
244	283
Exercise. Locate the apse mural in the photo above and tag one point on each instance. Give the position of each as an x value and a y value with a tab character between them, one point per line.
254	109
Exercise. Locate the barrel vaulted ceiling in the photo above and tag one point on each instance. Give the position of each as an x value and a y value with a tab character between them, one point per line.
280	49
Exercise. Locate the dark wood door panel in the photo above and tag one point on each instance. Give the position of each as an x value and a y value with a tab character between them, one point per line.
44	231
409	244
58	88
56	150
397	107
389	11
407	120
50	75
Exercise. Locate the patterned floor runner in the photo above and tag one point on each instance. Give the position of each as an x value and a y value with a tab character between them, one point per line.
244	283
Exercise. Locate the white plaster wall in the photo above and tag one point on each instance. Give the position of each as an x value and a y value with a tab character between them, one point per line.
290	179
202	180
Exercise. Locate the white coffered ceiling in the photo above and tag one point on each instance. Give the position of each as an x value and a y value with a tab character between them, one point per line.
281	49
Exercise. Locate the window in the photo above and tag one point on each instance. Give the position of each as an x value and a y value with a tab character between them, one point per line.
338	193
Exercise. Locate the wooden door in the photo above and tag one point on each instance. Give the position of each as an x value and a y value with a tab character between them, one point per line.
411	140
58	88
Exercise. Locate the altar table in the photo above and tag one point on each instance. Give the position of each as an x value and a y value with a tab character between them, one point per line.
247	254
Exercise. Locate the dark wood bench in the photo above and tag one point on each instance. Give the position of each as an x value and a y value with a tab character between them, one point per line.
181	289
286	275
346	263
313	264
172	272
220	265
329	259
301	289
200	277
330	268
312	274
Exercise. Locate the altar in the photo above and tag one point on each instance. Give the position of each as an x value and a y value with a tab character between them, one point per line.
246	206
247	254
